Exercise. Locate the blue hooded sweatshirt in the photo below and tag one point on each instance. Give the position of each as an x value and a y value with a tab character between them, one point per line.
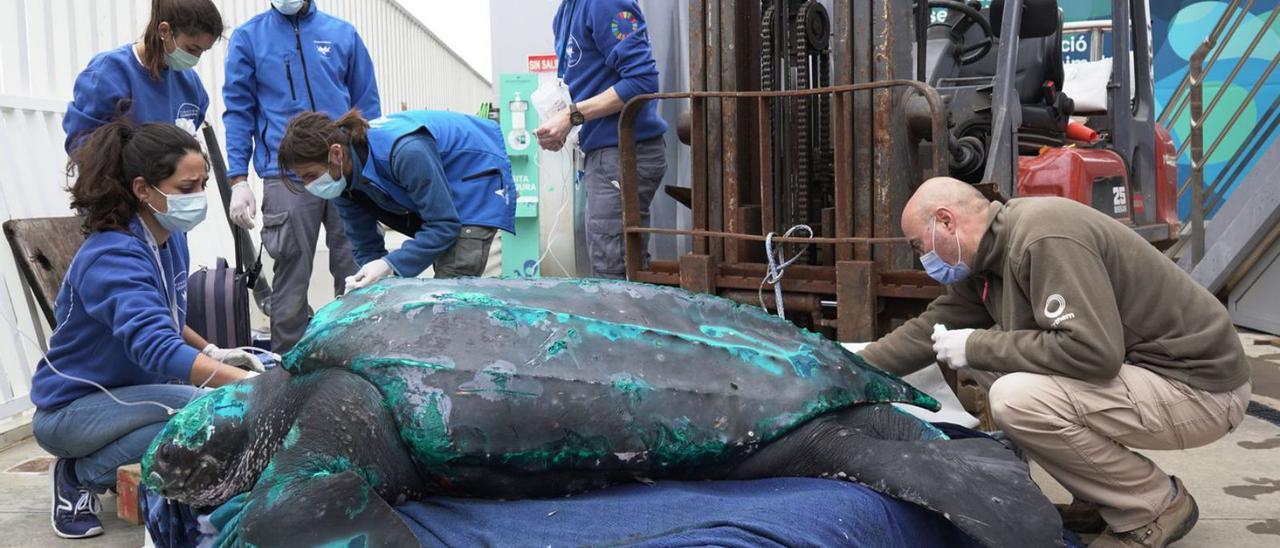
435	170
279	66
118	74
115	315
605	44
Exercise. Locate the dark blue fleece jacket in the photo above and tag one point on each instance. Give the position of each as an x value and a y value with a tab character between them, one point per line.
118	74
279	66
115	318
604	44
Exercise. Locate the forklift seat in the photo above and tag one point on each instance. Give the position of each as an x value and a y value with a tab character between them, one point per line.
1038	82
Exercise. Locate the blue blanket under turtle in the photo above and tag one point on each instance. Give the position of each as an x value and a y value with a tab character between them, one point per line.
771	512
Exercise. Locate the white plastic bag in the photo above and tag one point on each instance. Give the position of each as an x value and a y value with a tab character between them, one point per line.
550	99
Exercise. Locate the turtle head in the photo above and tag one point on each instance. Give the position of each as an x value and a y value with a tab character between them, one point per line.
198	457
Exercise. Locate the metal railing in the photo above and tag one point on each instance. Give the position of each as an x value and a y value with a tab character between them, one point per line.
1190	95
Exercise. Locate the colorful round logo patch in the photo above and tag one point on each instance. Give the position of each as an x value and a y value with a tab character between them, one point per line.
625	24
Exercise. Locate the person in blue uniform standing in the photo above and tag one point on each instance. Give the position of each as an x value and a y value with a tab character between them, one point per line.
606	59
150	81
120	357
441	178
291	58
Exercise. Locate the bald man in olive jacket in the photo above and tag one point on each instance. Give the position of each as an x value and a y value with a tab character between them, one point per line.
1090	343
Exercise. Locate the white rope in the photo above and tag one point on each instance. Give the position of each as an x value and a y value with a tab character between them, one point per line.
778	267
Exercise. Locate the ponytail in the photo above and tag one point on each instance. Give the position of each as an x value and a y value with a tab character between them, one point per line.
309	135
105	165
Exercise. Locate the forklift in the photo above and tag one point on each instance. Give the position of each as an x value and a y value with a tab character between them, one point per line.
830	114
1001	71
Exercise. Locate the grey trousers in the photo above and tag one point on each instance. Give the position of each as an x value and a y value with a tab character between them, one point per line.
290	229
468	255
604	202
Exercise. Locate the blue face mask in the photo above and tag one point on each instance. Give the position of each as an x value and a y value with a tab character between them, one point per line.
288	7
326	187
940	270
184	211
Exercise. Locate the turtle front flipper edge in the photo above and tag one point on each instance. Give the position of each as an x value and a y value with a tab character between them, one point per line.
335	510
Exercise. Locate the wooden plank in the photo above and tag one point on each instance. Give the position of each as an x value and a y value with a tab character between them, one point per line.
43	250
698	273
855	301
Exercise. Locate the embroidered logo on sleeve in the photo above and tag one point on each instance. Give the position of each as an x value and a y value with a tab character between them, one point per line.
625	24
572	52
1055	308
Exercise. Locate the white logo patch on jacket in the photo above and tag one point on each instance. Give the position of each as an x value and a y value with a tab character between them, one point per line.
1055	308
323	47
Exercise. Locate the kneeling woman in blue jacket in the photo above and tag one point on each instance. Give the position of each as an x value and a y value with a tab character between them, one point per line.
441	178
120	357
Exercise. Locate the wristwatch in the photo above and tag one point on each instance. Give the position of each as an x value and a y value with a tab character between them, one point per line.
575	116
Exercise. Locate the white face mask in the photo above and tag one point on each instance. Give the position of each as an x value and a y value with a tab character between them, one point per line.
288	7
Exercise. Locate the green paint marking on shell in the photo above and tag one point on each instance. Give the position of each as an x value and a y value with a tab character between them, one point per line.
757	352
557	347
367	363
426	429
321	327
572	451
630	385
683	444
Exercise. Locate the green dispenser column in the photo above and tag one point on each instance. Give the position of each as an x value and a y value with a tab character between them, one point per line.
519	120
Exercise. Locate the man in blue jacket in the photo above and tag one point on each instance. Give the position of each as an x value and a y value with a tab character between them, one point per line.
288	60
606	59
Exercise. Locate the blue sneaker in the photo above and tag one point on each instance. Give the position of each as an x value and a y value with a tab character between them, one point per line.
75	507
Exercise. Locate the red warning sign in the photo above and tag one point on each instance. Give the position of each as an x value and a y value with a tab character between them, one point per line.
543	63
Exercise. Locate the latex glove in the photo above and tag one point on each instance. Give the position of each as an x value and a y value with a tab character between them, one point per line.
949	345
244	206
250	374
234	357
369	274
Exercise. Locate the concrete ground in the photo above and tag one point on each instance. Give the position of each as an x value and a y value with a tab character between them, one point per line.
1236	481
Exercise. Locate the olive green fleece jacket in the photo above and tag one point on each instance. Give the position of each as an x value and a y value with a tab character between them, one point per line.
1061	289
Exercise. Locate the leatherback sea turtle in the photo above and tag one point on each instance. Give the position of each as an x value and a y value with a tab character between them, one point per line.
519	388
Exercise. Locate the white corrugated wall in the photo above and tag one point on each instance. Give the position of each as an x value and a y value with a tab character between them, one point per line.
44	44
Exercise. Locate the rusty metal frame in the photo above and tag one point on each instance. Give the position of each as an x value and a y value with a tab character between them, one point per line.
718	227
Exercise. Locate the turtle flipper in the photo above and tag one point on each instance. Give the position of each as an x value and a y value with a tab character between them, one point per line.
978	484
339	509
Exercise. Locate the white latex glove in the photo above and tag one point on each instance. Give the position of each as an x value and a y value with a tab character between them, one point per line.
949	345
244	206
856	348
234	357
369	274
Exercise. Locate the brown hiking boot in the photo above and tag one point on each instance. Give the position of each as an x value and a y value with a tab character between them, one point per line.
1082	517
1176	521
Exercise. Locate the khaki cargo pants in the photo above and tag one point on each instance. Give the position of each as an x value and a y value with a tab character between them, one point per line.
1081	432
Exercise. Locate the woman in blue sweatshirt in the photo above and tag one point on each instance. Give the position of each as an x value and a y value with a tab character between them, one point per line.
153	75
441	178
120	358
